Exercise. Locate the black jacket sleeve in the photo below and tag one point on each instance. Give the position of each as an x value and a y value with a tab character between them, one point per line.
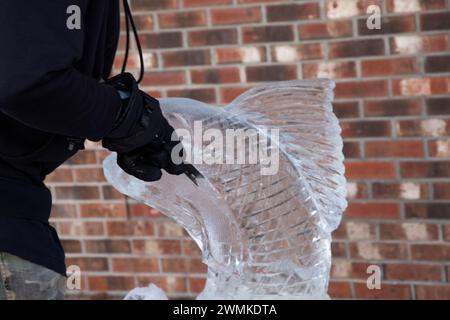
39	85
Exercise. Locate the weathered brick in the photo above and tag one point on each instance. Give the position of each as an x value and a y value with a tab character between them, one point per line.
427	210
292	12
401	6
403	190
435	21
357	48
212	37
437	64
413	231
331	70
392	107
423	169
373	210
333	29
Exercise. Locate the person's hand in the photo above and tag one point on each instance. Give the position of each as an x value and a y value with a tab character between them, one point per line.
142	136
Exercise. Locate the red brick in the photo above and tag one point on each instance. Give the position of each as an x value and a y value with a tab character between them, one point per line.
429	128
235	15
370	170
103	210
145	5
212	37
332	70
352	150
111	283
435	21
77	193
427	210
267	34
396	149
392	107
107	246
439	148
400	6
135	265
384	67
374	88
185	58
71	246
196	285
88	175
378	251
325	30
182	19
420	86
404	190
143	22
339	290
417	272
429	292
88	264
388	25
413	44
207	95
357	48
373	210
197	3
222	75
294	53
346	109
292	12
60	210
356	190
110	193
387	291
441	190
271	73
431	252
166	78
168	283
437	64
424	169
228	94
82	157
338	249
240	55
358	129
157	247
413	231
139	210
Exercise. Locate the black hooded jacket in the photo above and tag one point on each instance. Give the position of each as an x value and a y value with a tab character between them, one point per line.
51	99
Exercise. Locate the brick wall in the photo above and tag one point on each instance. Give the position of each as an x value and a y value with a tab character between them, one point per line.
393	99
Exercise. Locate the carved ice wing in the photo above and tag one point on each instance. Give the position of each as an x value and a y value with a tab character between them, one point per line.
309	136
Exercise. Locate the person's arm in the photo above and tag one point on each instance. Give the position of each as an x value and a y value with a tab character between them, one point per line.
39	85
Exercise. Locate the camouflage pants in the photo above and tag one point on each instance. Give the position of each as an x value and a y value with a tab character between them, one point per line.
24	280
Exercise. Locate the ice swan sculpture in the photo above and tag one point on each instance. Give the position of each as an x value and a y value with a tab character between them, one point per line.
263	236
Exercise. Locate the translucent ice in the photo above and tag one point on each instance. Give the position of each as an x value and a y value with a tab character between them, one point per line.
262	236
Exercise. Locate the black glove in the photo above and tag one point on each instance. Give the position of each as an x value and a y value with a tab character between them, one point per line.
141	135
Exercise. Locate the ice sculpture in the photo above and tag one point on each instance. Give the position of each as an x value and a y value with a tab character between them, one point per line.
262	236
